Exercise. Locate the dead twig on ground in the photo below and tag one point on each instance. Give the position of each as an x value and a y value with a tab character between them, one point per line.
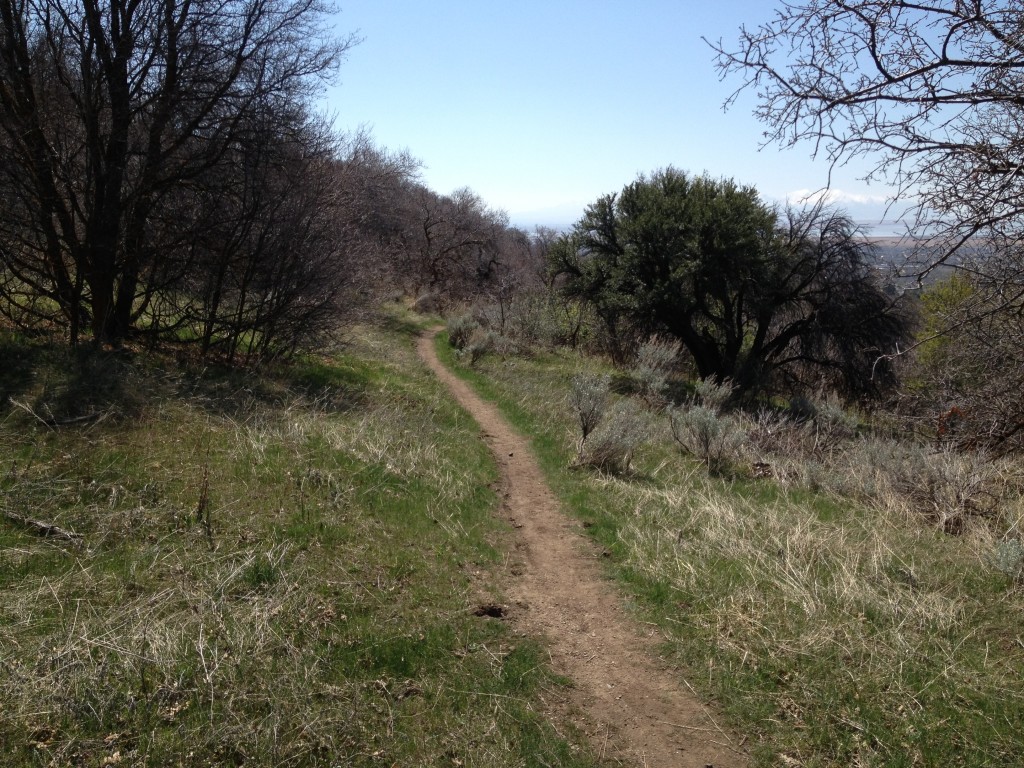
46	530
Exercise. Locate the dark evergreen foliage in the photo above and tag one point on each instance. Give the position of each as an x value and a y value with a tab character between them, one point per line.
762	299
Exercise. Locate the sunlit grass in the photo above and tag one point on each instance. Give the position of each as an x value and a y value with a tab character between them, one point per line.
273	571
832	629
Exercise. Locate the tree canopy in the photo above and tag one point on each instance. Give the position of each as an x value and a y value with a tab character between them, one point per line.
122	121
932	93
929	91
756	297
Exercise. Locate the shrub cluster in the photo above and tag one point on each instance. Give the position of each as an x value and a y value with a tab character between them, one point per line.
702	429
611	445
826	453
609	435
814	443
474	341
528	322
656	359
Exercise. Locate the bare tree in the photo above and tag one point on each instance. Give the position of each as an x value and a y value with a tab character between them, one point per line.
108	109
373	186
270	273
929	90
451	243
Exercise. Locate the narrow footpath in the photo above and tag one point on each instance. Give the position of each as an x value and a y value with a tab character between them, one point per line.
638	711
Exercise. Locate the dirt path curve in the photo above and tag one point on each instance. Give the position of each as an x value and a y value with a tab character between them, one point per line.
638	712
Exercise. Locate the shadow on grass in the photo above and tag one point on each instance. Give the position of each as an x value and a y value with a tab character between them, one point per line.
407	326
62	387
329	386
18	361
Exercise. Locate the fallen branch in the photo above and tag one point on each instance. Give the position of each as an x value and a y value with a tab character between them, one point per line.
53	422
46	530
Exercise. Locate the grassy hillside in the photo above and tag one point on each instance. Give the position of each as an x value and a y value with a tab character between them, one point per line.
276	570
833	628
283	570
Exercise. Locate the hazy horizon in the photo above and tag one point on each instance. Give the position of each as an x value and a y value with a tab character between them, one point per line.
540	108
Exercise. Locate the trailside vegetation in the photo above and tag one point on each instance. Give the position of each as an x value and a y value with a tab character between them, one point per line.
756	297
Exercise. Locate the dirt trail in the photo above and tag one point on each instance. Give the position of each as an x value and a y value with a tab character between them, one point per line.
637	710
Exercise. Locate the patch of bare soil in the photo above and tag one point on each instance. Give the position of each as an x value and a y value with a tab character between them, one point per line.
639	711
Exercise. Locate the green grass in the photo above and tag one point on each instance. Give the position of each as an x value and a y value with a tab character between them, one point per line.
829	632
273	571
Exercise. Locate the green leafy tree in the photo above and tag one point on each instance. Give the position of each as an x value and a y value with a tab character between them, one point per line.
756	297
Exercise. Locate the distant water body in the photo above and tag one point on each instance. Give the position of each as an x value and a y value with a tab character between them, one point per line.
885	228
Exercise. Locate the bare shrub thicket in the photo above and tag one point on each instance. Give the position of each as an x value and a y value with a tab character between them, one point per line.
946	487
772	433
536	320
446	245
807	431
517	316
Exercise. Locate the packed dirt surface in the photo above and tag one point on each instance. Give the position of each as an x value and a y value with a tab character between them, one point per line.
637	710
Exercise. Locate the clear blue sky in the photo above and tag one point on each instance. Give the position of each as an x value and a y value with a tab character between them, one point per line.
541	106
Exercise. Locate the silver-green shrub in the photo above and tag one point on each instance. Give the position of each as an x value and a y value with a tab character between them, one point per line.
713	395
611	445
712	437
833	424
460	330
1008	558
480	344
655	360
588	398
